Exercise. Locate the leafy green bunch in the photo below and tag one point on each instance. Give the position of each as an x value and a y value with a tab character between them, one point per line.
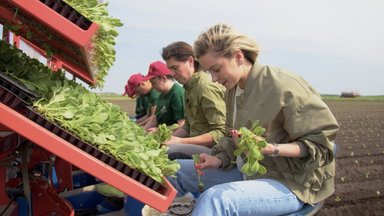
104	125
196	160
87	116
104	53
164	132
251	147
28	71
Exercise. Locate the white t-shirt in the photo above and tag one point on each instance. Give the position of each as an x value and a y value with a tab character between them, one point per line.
239	160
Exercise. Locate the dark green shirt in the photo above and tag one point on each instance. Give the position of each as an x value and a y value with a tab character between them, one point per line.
145	102
204	107
170	106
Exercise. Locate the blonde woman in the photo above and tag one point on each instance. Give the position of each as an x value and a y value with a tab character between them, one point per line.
299	156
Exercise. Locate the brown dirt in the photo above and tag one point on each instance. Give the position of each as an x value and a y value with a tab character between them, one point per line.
360	158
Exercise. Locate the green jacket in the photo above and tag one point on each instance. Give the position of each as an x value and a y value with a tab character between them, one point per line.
204	107
291	110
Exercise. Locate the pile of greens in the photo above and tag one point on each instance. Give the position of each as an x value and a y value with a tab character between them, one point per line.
87	116
251	147
103	55
29	71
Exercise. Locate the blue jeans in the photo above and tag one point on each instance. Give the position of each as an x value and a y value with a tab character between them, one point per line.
226	193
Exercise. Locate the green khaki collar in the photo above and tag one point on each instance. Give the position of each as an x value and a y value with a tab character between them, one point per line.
194	79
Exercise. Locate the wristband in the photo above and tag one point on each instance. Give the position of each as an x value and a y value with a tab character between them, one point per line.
275	151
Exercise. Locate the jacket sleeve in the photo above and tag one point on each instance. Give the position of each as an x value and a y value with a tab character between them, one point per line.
186	126
224	150
313	126
214	110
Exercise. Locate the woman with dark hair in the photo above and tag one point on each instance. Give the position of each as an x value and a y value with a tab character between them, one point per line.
204	104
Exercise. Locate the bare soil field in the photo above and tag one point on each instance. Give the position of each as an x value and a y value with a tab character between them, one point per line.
360	157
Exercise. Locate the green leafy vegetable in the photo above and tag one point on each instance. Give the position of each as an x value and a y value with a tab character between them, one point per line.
89	117
248	145
200	184
164	132
104	53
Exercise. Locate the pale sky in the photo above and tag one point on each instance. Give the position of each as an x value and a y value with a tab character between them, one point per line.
336	45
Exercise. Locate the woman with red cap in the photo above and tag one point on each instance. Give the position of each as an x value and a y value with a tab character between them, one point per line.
170	104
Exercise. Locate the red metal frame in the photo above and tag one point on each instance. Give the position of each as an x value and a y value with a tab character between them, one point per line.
62	30
7	138
54	144
46	201
64	174
45	15
3	128
56	62
71	45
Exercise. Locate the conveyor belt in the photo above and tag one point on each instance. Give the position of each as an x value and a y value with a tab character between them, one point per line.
68	12
56	31
10	99
18	89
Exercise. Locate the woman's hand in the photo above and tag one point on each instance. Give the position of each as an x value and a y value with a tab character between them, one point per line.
209	161
152	129
267	150
235	134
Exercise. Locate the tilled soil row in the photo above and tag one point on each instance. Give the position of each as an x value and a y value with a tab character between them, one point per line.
359	186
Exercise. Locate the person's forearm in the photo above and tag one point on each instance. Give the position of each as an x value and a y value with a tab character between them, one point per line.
204	140
146	120
152	122
142	119
284	150
180	132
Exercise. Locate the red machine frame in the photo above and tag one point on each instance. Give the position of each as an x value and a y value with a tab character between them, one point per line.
39	135
19	125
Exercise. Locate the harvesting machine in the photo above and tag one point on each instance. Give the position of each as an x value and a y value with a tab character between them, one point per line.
44	169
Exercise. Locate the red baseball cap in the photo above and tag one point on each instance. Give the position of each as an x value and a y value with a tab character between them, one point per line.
157	68
132	82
